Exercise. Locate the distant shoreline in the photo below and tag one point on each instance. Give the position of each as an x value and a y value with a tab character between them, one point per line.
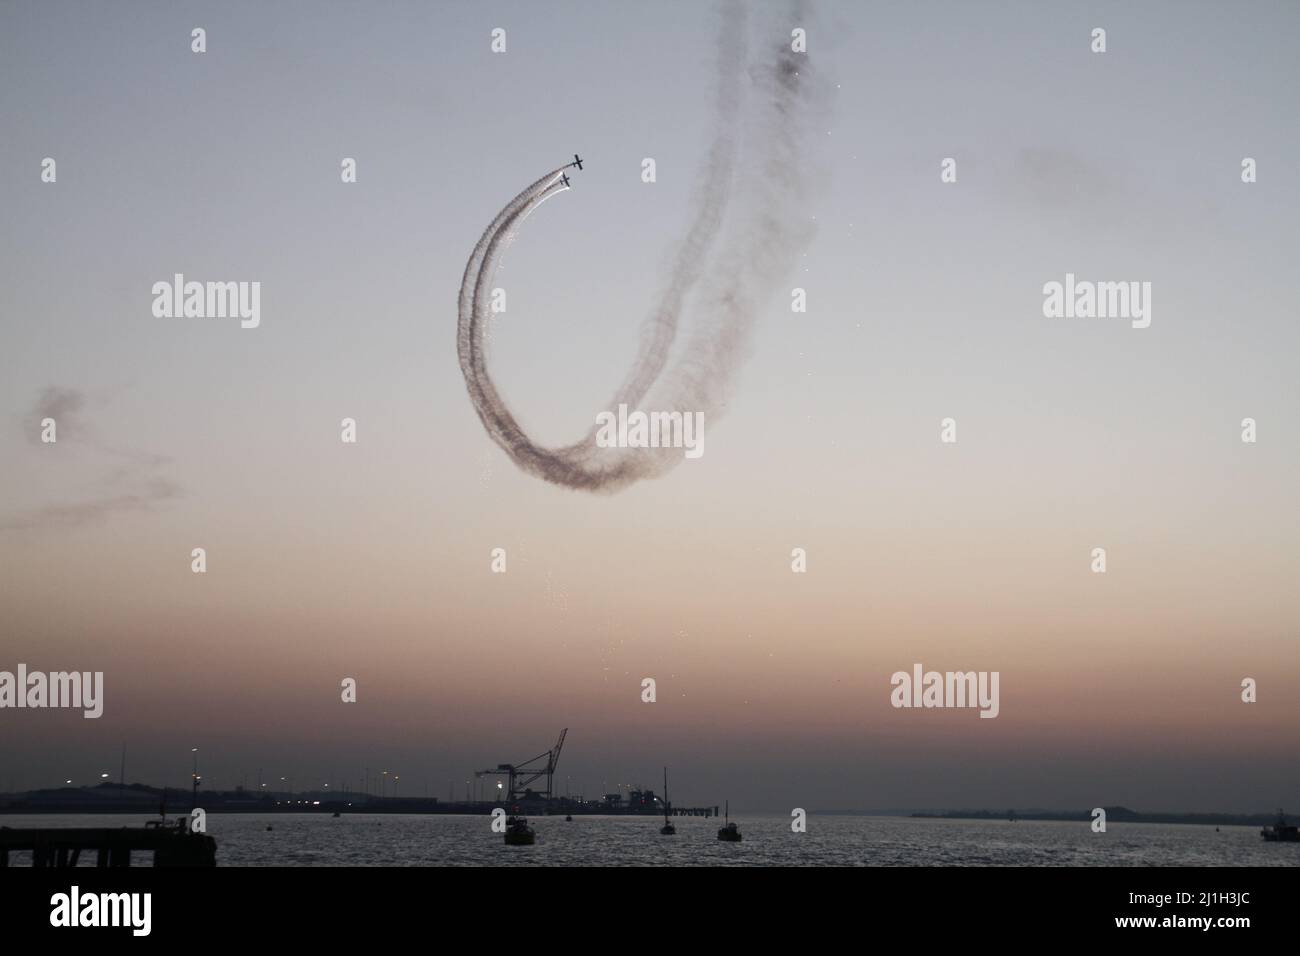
1113	815
140	799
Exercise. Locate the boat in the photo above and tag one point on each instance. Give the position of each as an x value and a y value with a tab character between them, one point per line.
1281	831
519	833
729	832
667	829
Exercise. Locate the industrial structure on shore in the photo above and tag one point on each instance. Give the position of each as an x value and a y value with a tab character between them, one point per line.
526	787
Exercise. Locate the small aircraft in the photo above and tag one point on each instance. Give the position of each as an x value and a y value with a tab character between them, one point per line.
564	178
577	161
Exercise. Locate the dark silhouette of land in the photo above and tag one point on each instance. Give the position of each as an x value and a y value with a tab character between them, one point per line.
143	799
140	798
1113	815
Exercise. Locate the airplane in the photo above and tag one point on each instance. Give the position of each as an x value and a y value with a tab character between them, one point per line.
564	178
577	161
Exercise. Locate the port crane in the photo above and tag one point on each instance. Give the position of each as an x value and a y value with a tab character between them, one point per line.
522	774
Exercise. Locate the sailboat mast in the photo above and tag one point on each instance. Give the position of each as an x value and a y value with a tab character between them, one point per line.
665	794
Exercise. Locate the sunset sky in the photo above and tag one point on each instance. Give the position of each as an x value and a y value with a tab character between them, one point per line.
329	560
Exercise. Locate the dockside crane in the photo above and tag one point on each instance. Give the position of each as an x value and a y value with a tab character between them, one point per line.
523	774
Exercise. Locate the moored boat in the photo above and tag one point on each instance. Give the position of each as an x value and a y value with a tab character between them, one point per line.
729	831
667	829
519	833
1281	831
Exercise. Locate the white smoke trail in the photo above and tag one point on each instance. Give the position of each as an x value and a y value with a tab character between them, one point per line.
763	206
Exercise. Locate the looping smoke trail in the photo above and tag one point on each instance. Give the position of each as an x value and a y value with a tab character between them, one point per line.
767	227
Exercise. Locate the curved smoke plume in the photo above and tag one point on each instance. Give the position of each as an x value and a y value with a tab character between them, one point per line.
768	108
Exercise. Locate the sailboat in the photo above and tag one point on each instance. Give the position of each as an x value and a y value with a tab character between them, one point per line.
667	829
729	832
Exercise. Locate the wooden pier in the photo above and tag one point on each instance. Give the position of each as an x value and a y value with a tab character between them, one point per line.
62	847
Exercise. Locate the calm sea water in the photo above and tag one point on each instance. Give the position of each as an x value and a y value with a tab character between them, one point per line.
445	840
